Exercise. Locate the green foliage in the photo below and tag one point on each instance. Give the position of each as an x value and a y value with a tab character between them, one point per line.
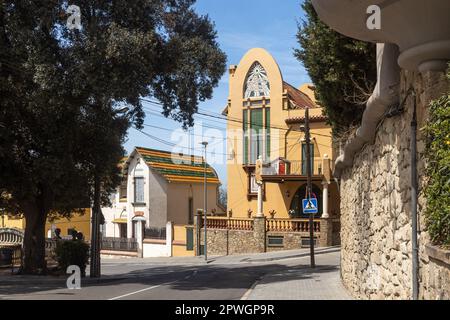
342	69
68	97
438	170
72	252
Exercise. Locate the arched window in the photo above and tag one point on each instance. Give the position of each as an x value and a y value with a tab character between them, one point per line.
257	83
296	208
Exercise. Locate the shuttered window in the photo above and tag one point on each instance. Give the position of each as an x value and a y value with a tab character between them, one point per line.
256	134
256	140
267	157
245	129
139	190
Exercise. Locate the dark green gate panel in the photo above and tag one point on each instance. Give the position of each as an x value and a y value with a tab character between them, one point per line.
189	239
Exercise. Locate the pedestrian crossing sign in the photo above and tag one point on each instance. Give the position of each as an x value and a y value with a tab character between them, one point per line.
310	205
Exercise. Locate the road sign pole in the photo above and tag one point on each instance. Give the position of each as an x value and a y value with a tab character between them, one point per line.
309	186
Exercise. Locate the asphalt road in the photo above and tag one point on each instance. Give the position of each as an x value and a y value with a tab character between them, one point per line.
125	279
216	282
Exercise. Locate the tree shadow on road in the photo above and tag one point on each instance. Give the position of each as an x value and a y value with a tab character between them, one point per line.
179	278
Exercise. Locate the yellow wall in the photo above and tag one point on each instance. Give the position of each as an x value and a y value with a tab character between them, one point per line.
7	222
281	146
179	242
80	223
178	195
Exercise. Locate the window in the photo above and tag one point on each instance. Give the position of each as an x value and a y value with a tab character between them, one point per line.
253	184
139	190
275	241
311	147
123	188
256	134
257	83
304	243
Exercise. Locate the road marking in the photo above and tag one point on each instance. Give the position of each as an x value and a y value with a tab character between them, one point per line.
139	291
153	287
247	293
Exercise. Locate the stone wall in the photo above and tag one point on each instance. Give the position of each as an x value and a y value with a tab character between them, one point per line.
375	207
229	242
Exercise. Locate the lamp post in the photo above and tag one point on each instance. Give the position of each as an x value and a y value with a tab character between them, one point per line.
205	209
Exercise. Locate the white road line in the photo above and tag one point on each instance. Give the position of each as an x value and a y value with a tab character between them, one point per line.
247	293
153	287
139	291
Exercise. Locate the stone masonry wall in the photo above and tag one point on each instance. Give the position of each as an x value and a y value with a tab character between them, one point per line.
375	207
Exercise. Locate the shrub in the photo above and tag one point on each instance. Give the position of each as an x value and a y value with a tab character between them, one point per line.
438	170
72	252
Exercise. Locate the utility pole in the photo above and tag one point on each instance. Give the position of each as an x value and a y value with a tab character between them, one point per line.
205	210
309	186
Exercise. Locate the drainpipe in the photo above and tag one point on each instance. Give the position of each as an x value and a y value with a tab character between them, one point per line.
415	253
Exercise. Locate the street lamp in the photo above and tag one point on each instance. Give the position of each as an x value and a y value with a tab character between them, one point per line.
205	209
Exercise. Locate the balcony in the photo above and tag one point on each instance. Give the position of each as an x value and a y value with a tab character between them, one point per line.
281	170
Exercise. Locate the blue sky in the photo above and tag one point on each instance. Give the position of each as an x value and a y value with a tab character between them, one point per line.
241	25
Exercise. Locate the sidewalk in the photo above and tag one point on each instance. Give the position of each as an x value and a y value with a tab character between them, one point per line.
303	283
232	259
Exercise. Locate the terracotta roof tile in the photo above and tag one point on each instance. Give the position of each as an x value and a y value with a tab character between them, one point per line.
178	167
298	98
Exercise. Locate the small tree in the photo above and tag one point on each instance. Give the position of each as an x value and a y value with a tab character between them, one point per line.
342	69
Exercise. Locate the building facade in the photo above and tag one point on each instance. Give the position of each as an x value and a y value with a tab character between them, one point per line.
162	187
383	212
265	119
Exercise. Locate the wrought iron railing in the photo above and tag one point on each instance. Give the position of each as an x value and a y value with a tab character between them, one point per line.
155	233
119	244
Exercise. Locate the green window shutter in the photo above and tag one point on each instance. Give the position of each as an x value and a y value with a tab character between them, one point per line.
267	134
189	239
245	138
256	125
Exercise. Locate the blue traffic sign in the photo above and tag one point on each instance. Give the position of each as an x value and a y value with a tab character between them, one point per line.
310	205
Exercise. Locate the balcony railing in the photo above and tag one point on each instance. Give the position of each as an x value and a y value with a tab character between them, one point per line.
291	225
229	223
293	167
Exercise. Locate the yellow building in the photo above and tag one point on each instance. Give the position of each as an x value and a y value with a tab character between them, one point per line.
265	118
80	223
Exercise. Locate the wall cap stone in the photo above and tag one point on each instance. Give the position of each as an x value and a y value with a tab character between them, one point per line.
437	253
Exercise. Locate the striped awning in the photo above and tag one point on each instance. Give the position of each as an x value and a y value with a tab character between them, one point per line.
120	220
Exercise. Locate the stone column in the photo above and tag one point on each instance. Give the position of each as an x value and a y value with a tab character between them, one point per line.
259	213
325	213
139	236
259	233
326	232
169	238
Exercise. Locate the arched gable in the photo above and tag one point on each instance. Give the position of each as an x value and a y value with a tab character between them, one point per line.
254	58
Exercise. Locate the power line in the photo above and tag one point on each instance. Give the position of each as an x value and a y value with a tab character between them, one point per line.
232	119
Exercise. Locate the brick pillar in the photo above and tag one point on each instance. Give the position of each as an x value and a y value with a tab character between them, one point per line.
259	233
326	232
197	230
